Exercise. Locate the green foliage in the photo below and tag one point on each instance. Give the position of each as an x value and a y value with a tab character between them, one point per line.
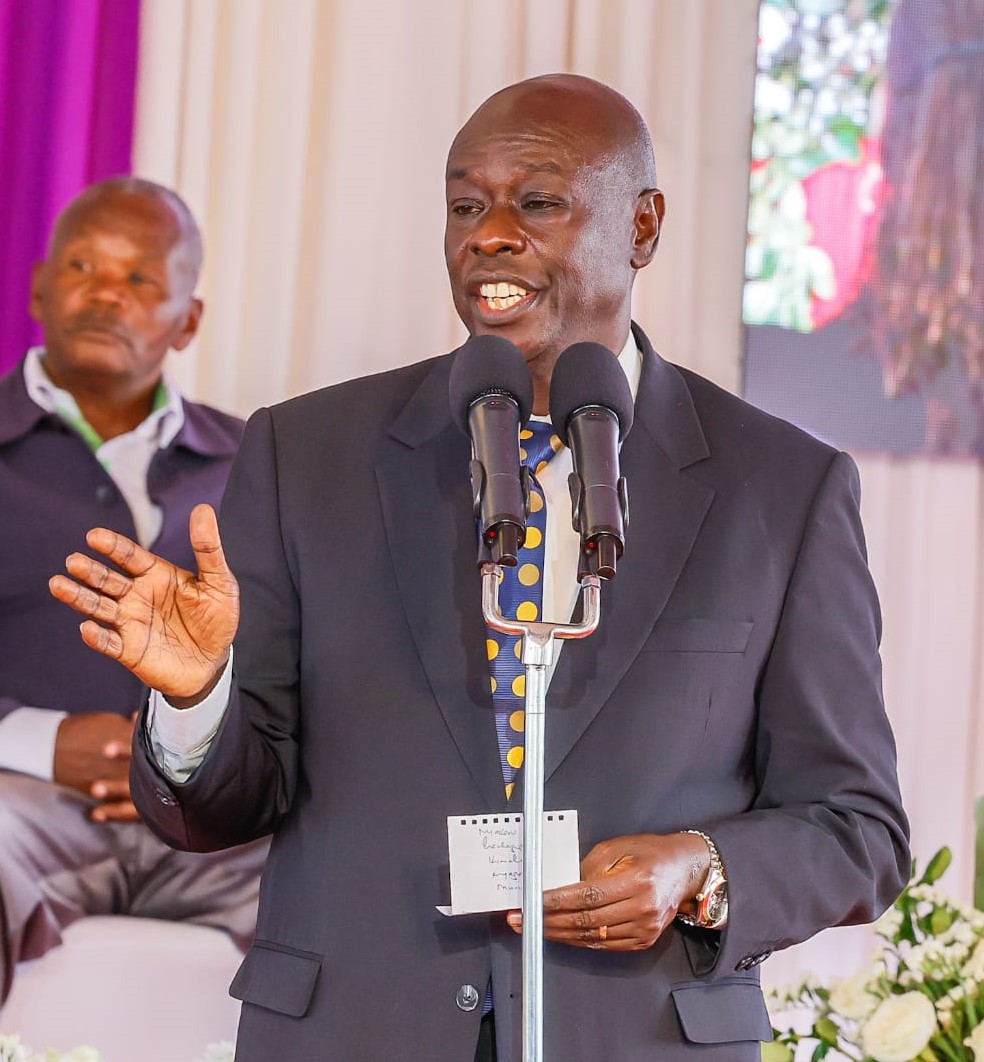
924	986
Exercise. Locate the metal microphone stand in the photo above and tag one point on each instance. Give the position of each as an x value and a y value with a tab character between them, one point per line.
538	655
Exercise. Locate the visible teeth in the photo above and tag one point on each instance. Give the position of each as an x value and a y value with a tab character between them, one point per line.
502	296
502	290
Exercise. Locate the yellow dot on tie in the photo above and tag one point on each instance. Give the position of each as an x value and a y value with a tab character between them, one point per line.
527	611
527	575
495	685
509	790
519	685
518	648
536	504
540	467
533	538
517	720
556	443
526	434
514	757
492	648
523	454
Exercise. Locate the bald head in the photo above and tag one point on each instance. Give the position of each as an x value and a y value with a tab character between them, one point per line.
127	194
575	109
552	208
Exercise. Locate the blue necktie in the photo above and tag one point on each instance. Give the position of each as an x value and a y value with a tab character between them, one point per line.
520	597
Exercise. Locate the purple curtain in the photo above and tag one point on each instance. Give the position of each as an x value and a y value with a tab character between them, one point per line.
67	87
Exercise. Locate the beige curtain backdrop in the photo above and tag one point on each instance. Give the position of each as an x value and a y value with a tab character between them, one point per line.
309	136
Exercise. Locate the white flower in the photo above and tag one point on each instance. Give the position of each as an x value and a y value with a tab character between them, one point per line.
974	967
889	923
976	1042
900	1028
223	1051
12	1050
852	997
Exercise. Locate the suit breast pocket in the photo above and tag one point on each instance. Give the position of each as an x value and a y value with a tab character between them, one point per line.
699	636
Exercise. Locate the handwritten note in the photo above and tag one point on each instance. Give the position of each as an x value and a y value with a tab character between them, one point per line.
486	854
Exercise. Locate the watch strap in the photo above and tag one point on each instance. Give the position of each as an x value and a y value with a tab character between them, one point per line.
711	900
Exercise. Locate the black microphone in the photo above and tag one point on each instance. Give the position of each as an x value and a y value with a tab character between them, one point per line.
491	396
591	410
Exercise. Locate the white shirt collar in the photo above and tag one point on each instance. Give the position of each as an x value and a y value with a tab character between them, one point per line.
161	426
630	358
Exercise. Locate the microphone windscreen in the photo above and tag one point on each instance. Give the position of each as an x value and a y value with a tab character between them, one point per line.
488	365
588	374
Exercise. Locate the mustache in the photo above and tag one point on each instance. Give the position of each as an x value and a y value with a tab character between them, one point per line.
88	321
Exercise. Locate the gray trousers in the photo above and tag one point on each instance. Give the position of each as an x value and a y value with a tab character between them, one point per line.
57	866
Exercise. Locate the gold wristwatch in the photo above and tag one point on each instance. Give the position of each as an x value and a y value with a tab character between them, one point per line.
711	901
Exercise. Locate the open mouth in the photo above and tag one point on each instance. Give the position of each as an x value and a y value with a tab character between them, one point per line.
502	296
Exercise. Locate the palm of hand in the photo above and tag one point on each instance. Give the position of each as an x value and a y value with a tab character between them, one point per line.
171	628
174	628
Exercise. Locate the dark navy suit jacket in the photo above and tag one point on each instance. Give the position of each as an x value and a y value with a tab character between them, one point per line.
733	686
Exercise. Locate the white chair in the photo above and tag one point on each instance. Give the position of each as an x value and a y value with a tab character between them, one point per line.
135	988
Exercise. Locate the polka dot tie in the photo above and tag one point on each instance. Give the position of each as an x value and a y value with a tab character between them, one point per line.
520	597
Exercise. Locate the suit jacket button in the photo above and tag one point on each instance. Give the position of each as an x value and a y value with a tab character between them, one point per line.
166	799
105	494
466	998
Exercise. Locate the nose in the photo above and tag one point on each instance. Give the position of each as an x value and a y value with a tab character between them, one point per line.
497	232
105	289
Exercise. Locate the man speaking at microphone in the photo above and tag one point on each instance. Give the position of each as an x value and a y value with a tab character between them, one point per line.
732	688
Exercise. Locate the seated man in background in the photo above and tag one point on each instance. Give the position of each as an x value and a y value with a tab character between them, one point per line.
91	431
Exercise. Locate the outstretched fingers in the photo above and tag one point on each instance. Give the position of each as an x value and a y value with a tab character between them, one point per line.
122	551
97	576
102	639
85	600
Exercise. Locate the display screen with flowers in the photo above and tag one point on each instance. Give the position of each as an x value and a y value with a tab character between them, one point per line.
864	291
919	1001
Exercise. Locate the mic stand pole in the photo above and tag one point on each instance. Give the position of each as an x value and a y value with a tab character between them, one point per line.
538	655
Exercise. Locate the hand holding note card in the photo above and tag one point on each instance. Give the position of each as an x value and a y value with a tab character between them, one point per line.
486	853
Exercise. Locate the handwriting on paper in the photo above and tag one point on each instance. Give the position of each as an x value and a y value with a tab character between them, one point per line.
486	856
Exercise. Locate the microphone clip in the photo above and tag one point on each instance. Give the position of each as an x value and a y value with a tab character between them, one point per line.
601	552
501	542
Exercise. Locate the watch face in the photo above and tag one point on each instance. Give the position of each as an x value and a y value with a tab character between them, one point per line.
712	909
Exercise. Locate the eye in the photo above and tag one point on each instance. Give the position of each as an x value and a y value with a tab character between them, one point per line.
540	202
464	208
139	279
79	265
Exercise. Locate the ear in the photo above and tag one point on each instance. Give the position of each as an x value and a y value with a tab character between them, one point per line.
195	310
647	223
37	286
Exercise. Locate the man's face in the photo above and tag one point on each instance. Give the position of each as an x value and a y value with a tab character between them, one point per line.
539	236
116	291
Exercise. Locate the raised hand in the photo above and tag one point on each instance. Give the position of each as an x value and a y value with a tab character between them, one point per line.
168	626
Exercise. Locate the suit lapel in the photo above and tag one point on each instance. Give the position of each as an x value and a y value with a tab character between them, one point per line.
666	509
425	494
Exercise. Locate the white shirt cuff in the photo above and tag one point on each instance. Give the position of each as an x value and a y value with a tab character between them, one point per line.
180	737
27	741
